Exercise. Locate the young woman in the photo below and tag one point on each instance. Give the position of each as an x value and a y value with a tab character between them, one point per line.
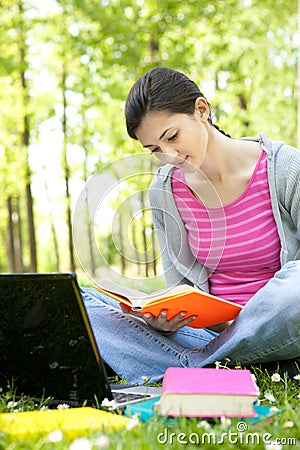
228	212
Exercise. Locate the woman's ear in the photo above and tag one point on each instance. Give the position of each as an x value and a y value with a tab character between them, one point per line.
202	108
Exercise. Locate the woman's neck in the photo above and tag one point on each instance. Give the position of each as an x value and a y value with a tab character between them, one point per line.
227	169
227	157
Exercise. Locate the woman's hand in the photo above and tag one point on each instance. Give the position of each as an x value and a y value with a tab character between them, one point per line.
162	323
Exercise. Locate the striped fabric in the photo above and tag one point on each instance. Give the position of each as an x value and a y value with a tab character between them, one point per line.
238	241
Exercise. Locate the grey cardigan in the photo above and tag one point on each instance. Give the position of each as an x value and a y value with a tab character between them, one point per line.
180	265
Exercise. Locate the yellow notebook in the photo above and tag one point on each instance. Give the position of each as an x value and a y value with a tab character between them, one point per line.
69	421
209	309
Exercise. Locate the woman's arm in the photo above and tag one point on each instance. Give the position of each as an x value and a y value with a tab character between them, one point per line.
220	326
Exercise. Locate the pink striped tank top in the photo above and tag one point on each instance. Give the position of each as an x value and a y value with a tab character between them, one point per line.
239	242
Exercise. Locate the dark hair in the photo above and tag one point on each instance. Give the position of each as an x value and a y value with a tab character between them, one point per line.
160	89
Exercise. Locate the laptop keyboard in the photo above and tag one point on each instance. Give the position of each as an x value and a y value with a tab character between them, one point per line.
124	397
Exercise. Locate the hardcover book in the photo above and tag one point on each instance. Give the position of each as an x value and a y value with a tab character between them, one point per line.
205	392
210	310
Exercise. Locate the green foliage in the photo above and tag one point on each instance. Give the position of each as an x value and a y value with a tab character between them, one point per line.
160	432
243	54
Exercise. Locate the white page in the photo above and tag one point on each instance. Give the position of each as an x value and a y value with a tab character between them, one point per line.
138	298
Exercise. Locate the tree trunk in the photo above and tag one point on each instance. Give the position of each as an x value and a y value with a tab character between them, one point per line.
243	106
135	245
10	243
14	244
144	225
67	173
53	230
26	141
18	238
154	255
31	229
121	241
88	219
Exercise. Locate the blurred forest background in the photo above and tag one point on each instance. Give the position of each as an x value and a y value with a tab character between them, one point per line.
65	69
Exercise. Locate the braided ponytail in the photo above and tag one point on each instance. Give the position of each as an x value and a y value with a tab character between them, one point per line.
221	131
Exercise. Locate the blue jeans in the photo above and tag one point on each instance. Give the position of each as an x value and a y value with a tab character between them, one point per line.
267	329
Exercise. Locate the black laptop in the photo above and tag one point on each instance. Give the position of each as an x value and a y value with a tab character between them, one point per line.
47	345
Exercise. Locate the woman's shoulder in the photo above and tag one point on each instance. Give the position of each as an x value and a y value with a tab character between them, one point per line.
277	148
162	177
284	164
160	189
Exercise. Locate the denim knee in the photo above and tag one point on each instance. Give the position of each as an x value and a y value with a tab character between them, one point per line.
287	288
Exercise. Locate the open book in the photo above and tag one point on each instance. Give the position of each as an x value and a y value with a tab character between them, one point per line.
210	310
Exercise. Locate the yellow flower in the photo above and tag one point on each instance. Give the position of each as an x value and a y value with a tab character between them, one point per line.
297	377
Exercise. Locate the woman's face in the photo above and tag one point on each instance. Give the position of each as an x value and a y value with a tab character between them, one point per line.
177	139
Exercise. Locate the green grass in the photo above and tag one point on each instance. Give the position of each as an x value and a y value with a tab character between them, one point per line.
160	433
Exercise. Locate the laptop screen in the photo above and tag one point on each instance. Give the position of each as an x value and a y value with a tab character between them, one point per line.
45	342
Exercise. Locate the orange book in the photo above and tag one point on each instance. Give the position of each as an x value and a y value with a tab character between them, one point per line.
210	310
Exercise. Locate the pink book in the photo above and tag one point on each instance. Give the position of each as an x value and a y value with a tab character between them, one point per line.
208	392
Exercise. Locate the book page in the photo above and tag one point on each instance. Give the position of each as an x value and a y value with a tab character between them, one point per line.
207	309
120	289
140	299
